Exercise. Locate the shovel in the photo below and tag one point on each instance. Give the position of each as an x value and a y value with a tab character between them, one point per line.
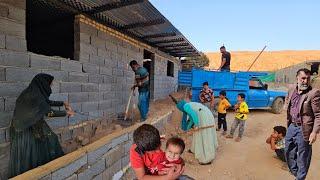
123	118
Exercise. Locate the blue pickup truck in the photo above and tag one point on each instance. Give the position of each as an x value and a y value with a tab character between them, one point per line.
257	94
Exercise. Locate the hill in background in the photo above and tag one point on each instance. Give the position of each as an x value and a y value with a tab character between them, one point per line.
268	61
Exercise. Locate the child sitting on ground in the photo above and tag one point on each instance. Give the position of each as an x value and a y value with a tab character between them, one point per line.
277	141
222	112
242	111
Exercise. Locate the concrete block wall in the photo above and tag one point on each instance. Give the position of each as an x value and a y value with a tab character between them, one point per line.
288	74
100	160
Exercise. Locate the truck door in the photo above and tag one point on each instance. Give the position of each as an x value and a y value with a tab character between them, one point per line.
257	96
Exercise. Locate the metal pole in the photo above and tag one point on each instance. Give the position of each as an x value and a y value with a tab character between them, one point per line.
257	57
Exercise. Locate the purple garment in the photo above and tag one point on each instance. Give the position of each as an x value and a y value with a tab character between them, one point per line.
294	108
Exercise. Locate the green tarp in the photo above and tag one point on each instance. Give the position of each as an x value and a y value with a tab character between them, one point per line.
268	78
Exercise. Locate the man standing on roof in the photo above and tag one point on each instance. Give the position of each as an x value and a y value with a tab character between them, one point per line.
142	82
225	59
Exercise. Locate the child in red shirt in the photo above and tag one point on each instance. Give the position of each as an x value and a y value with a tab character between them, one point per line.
147	158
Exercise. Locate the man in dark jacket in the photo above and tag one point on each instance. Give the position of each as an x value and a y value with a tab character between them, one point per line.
303	117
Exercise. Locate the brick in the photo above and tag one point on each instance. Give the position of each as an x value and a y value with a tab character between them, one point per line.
70	87
118	140
95	78
77	119
2	39
8	89
105	104
16	43
94	96
73	177
58	75
105	70
20	74
57	122
70	65
90	87
5	119
12	28
10	103
78	77
97	154
94	59
79	97
44	62
69	169
93	170
17	59
90	106
2	74
90	68
59	97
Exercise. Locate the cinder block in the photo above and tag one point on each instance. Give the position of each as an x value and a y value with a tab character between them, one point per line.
66	135
17	4
108	174
57	122
106	70
90	87
73	177
78	97
94	96
113	155
95	78
55	87
4	10
5	118
66	87
97	177
94	170
88	49
78	77
10	103
118	140
2	135
20	74
12	28
127	146
70	65
107	79
103	53
87	29
59	97
8	89
76	106
97	154
111	46
44	62
1	104
93	115
58	75
69	169
2	74
117	72
90	68
94	59
16	43
97	42
105	104
104	87
81	56
2	39
17	14
83	37
125	161
17	59
90	106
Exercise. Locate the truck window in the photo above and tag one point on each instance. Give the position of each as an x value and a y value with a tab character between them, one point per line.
255	84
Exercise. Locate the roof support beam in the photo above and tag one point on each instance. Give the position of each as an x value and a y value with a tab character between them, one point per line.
175	45
159	35
168	41
113	5
144	24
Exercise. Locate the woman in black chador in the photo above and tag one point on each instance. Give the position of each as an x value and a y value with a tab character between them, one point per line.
33	143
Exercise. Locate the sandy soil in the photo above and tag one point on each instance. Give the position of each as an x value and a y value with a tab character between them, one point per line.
249	159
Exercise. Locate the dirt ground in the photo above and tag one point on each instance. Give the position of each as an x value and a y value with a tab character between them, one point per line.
250	159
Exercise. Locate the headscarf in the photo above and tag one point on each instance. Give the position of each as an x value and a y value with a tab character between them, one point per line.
33	103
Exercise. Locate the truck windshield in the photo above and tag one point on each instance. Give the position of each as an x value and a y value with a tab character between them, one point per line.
255	84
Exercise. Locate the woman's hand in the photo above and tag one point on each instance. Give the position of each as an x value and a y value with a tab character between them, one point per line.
66	105
70	113
175	171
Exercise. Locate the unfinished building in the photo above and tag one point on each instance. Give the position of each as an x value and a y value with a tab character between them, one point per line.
86	45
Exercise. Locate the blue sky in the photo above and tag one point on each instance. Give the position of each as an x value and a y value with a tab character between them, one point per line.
246	24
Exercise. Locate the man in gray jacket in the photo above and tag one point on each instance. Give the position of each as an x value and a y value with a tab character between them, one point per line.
303	118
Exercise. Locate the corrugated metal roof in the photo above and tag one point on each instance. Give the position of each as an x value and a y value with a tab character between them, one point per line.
136	18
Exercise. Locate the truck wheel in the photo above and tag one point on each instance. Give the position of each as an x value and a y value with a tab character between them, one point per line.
277	105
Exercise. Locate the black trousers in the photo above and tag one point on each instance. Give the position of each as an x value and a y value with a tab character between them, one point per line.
222	121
